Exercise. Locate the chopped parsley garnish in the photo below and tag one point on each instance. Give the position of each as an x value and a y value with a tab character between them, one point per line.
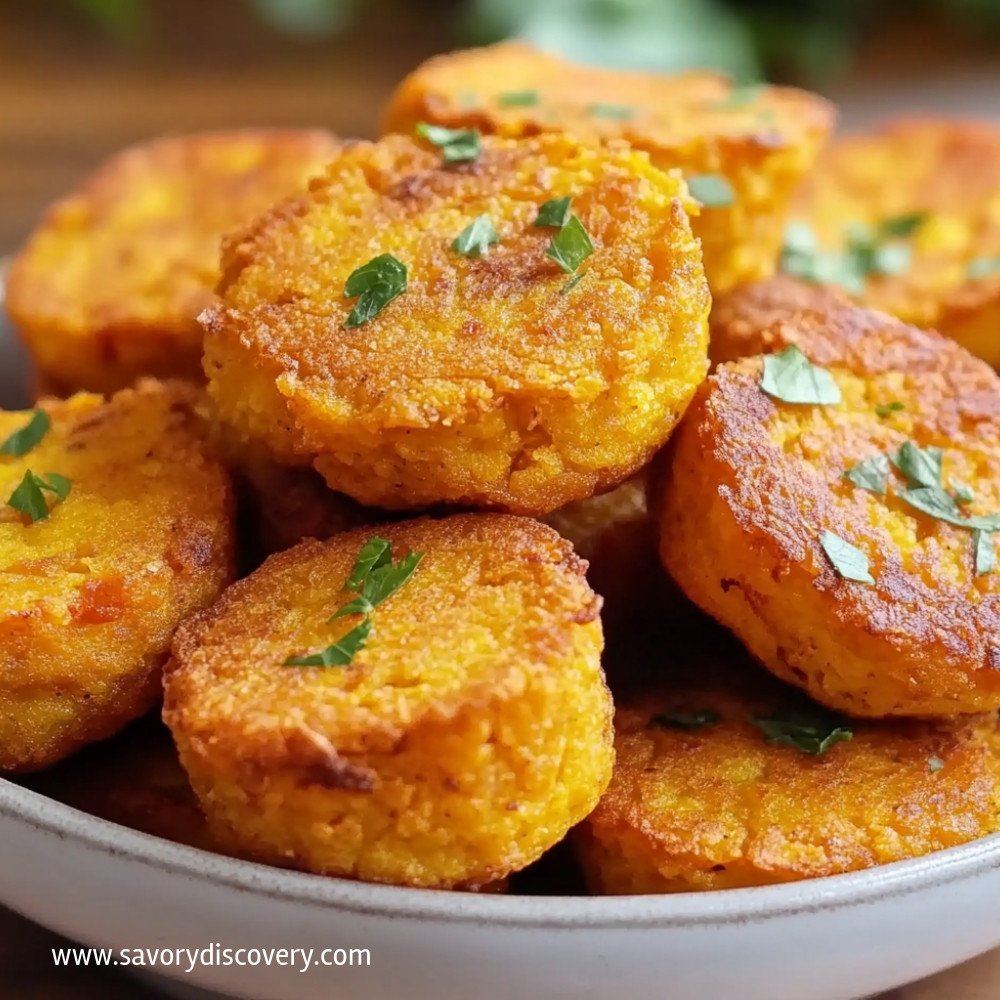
810	734
23	440
985	553
921	466
962	493
902	225
936	503
983	267
518	99
871	474
457	145
374	578
571	246
685	720
477	238
848	560
712	190
554	212
376	283
29	496
884	409
791	378
617	112
739	97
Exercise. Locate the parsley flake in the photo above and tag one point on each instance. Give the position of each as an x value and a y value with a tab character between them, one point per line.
791	378
518	99
554	212
985	553
884	409
712	190
871	474
848	560
457	145
338	654
921	466
962	493
936	503
376	283
29	496
685	720
571	246
810	734
902	225
23	440
477	238
616	112
983	267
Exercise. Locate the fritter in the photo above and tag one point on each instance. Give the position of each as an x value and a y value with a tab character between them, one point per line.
464	739
132	532
490	380
848	544
748	147
907	218
135	780
110	284
701	798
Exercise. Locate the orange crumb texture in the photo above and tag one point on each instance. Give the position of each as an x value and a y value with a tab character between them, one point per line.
761	140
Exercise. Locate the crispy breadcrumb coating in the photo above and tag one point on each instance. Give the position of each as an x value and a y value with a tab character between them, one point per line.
468	735
110	284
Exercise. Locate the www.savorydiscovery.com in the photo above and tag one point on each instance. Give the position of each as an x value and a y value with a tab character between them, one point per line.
214	956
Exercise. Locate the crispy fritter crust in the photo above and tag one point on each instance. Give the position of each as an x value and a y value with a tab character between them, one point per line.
946	168
488	382
90	597
720	808
111	282
465	739
752	483
763	144
135	780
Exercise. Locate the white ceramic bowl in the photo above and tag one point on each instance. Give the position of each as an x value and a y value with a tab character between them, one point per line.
829	939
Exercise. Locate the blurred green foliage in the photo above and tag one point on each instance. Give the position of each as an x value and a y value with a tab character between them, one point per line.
802	39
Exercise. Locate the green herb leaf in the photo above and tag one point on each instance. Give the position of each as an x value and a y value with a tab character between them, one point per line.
554	212
340	653
374	553
921	466
29	496
571	246
477	238
712	190
518	99
23	440
739	97
904	225
871	474
685	720
848	560
790	377
884	409
962	493
571	284
457	145
935	502
983	267
895	258
985	553
617	112
377	283
812	735
381	583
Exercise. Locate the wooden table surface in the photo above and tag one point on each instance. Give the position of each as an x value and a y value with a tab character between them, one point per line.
68	97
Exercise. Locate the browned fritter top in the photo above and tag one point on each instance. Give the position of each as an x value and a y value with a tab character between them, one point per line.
948	171
777	470
514	89
718	806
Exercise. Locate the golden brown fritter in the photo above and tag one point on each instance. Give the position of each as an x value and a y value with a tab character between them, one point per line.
945	174
110	284
464	739
90	596
135	780
761	140
717	806
753	483
490	381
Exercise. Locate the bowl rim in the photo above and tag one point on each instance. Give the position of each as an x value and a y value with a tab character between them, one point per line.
755	904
